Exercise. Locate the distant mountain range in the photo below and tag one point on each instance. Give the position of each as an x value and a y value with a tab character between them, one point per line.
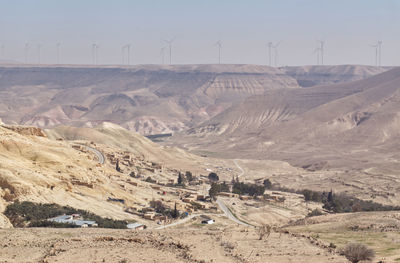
149	99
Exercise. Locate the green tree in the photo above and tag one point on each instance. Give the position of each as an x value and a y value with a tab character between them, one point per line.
267	183
214	190
213	177
180	179
189	176
117	166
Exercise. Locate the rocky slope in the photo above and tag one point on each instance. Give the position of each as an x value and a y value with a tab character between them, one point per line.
149	99
360	117
53	167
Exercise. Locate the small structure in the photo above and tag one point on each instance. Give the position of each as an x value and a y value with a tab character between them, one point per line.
149	216
136	226
208	221
245	197
73	219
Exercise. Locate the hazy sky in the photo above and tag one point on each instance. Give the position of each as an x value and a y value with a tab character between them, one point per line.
243	26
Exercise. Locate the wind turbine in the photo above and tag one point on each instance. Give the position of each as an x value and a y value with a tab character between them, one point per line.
317	51
95	48
270	46
276	52
26	50
162	53
380	52
3	47
376	54
169	42
321	48
126	47
39	47
58	52
219	44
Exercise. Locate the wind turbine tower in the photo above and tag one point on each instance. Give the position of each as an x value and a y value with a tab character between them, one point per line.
128	47
321	49
276	52
219	44
39	48
3	48
380	52
317	51
126	50
270	46
95	48
169	42
162	54
26	51
58	52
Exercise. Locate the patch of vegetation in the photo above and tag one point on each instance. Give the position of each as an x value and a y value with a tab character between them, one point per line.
160	208
315	212
339	203
150	180
181	179
217	188
213	177
267	183
250	189
189	176
29	214
357	252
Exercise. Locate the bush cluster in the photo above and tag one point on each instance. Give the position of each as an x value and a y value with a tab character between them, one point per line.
250	189
339	203
217	188
160	208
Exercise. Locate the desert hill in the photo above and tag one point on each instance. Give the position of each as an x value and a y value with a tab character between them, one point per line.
308	76
55	166
359	117
149	99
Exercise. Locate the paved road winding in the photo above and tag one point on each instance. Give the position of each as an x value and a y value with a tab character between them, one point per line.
225	209
228	213
99	154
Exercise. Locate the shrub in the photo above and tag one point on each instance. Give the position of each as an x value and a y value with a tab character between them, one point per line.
356	252
264	231
150	180
315	212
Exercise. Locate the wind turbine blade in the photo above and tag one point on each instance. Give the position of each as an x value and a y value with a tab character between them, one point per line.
315	51
277	44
